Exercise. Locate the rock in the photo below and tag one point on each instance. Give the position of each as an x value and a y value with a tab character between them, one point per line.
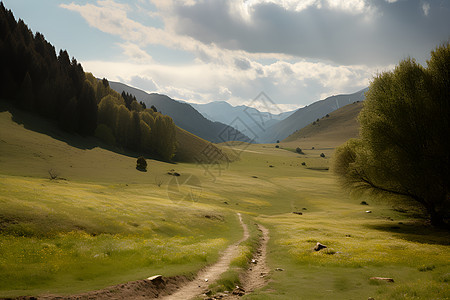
319	247
238	291
382	278
368	211
270	166
254	261
206	279
176	174
279	269
297	213
364	203
157	279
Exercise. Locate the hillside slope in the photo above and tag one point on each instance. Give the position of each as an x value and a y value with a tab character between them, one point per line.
306	115
329	132
184	115
28	139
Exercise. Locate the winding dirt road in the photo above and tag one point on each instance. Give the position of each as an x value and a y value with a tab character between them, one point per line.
211	273
253	278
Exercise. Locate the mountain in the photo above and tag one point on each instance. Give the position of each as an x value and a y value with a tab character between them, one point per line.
184	116
224	112
308	114
328	132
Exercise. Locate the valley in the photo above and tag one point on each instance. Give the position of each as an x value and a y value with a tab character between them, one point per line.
103	223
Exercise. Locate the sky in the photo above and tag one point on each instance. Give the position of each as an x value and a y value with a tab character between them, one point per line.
295	51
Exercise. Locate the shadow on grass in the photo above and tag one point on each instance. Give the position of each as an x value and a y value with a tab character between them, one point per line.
34	122
419	232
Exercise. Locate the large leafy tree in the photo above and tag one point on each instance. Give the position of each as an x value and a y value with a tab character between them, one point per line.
404	140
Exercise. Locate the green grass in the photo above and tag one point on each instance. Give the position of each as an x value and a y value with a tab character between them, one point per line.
66	237
109	223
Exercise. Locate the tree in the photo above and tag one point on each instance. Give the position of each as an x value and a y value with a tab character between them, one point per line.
123	124
404	145
141	164
88	109
107	112
299	150
25	96
104	133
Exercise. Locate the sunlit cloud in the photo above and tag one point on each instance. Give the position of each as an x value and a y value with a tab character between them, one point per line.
296	51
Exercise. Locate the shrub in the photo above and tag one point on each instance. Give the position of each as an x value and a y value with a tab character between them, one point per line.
277	146
299	151
141	164
322	155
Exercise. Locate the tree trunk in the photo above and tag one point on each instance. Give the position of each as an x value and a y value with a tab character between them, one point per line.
436	216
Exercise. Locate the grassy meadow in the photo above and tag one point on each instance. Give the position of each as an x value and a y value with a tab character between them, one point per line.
103	222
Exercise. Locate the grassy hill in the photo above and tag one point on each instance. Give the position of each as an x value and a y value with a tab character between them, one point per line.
328	132
39	134
108	223
306	115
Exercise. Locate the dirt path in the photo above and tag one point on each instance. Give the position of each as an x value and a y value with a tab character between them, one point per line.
179	286
256	276
210	274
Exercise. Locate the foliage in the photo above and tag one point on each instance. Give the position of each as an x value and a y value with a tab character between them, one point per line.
105	134
34	78
141	164
404	143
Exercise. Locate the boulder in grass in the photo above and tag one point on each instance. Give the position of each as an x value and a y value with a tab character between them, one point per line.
319	247
382	279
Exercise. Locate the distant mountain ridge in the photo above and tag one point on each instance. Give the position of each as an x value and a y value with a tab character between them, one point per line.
185	116
308	114
226	113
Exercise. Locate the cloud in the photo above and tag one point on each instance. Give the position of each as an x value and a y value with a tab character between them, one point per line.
242	63
144	83
136	54
205	82
344	32
295	51
426	8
